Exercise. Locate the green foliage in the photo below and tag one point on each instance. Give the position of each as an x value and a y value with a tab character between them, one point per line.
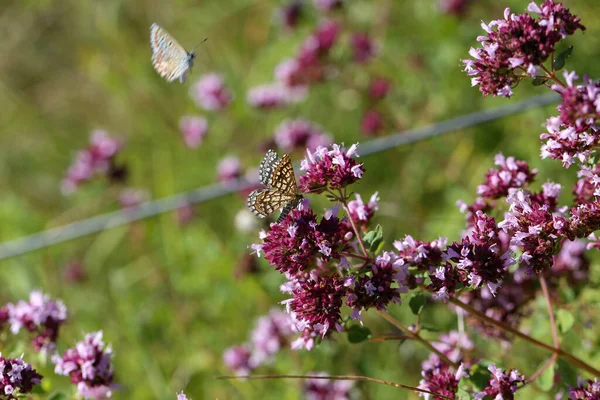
417	302
374	238
561	58
357	334
565	320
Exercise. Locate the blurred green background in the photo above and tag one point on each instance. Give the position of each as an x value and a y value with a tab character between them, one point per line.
167	296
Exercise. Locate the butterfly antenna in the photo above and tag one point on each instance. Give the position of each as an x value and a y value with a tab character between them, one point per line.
205	39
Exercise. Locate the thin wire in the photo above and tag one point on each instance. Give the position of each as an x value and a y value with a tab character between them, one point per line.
151	208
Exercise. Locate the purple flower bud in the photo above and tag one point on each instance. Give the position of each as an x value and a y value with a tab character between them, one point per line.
363	47
372	123
379	88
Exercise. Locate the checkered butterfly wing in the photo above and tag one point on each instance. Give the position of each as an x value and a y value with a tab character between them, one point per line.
281	192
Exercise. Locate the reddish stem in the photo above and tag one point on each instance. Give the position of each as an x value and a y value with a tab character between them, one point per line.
336	378
561	353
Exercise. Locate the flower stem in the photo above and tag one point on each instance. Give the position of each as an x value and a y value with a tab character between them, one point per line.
550	312
415	336
356	232
353	255
335	378
551	75
561	353
544	367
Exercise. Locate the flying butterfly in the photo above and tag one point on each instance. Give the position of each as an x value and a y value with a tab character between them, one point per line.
170	59
281	191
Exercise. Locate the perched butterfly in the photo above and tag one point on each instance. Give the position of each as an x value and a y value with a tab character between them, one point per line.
277	174
169	58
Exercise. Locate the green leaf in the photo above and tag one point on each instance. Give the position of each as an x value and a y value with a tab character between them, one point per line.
380	247
567	372
374	238
58	396
429	328
561	58
539	81
357	334
546	380
479	375
416	303
565	320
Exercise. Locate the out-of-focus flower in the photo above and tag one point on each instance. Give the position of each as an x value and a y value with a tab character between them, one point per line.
439	377
185	214
517	45
17	378
328	5
129	198
75	272
326	389
290	13
245	221
210	92
229	169
503	385
454	7
271	333
89	365
379	88
193	130
182	396
300	134
371	123
41	316
363	47
269	96
237	358
335	168
573	135
96	159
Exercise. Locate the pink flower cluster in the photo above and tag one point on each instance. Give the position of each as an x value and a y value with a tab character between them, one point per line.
502	385
514	47
40	316
89	365
272	332
573	134
97	159
438	376
17	378
330	169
